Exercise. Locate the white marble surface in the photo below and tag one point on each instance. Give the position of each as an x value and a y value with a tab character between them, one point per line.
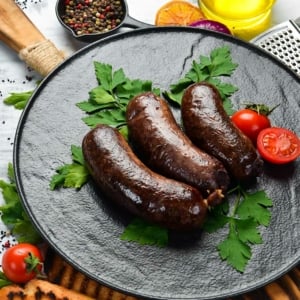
15	76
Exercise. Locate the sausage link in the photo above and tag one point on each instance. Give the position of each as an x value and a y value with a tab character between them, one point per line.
207	124
167	150
124	179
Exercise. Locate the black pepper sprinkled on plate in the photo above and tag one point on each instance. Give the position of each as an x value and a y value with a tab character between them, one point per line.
93	16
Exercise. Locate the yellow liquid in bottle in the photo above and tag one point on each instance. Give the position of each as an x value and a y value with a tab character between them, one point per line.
245	18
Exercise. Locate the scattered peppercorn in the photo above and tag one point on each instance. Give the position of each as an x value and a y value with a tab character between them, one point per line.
93	16
24	3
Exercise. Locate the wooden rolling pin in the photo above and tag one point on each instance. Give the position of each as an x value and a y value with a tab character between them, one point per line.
21	35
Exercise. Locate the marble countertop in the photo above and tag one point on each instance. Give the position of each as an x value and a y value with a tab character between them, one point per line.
15	76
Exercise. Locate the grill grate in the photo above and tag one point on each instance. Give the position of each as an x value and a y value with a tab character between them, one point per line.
282	41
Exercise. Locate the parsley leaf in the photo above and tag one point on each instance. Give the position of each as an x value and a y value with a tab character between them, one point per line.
208	69
144	233
73	175
13	214
18	100
254	206
248	231
77	155
100	96
107	78
89	107
113	117
4	281
249	211
234	251
76	176
220	62
107	102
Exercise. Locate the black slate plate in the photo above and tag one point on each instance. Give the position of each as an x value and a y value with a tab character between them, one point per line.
85	230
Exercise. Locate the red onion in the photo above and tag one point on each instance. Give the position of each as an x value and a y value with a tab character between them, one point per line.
211	25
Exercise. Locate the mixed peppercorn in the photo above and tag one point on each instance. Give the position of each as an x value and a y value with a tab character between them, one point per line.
93	16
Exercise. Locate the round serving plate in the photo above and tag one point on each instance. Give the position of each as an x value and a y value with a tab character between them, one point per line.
84	228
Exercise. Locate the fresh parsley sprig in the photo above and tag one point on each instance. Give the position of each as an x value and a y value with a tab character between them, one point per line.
18	100
73	175
208	68
108	101
13	214
249	212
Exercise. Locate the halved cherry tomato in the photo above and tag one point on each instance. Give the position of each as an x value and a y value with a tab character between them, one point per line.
22	262
250	122
278	145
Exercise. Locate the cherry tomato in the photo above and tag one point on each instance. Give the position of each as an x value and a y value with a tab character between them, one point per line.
250	122
22	262
278	145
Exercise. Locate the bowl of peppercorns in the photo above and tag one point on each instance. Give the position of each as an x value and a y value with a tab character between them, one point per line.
90	20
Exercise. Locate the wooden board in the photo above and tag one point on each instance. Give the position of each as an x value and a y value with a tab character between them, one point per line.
286	287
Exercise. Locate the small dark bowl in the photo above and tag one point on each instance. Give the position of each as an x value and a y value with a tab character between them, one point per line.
127	21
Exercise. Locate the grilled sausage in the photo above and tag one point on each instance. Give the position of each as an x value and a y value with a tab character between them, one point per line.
167	150
124	179
210	128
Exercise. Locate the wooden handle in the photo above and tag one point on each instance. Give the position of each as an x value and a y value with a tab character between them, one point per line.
16	29
21	35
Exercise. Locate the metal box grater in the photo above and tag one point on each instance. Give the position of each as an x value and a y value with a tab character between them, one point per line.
283	41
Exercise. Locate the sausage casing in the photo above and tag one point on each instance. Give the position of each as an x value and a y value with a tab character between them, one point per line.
123	178
167	150
207	124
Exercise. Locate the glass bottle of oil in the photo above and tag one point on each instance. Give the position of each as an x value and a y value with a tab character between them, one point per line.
245	18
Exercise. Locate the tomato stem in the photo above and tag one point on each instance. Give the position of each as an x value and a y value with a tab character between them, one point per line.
261	109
